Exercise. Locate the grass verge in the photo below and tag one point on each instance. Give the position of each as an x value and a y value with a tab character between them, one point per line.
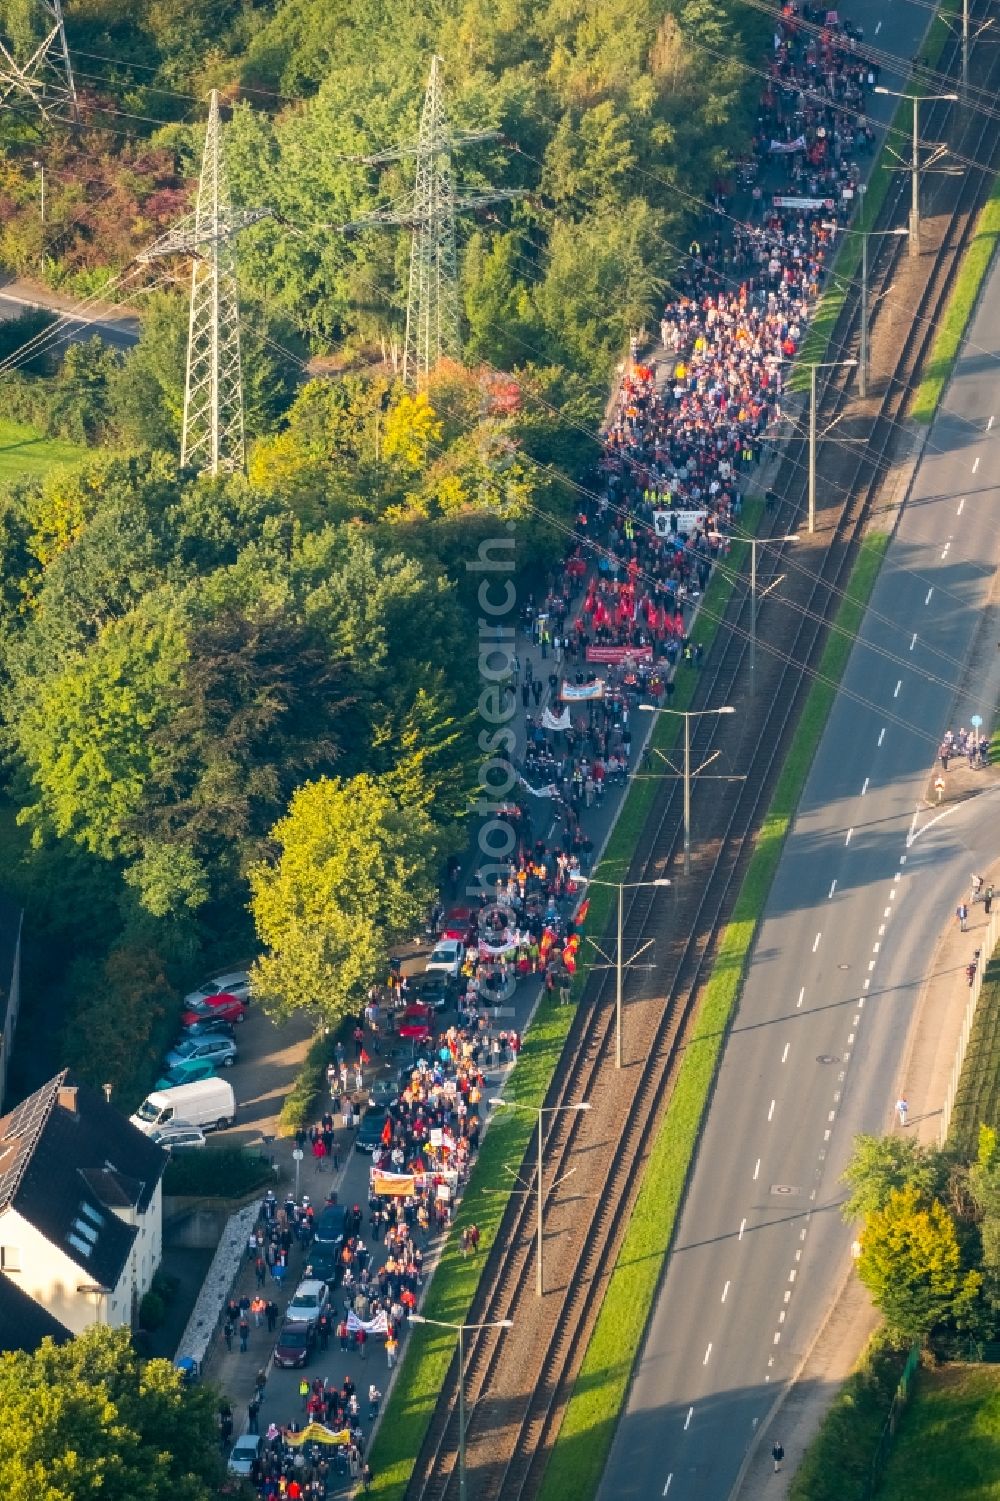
978	1098
972	273
948	1440
581	1450
837	1465
24	451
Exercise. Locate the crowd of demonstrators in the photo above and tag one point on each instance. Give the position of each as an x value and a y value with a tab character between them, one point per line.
971	745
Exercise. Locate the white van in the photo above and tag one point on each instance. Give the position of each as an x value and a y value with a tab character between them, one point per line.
208	1103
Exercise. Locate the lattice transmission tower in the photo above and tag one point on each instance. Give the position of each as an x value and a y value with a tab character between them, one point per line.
212	437
45	79
432	325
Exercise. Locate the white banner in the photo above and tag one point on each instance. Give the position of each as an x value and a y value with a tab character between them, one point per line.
807	203
378	1325
549	791
687	522
560	721
783	148
577	692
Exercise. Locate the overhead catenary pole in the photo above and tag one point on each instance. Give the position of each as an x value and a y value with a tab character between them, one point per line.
212	436
916	100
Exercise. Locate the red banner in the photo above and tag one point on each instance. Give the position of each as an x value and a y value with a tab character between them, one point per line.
619	654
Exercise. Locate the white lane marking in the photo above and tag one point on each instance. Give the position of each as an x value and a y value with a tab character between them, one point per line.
802	993
881	735
687	1420
833	887
770	1113
887	912
827	1135
861	1002
865	787
876	947
816	941
849	833
756	1171
667	1486
878	27
881	927
784	1055
850	1038
989	424
724	1292
902	858
781	1317
832	1116
743	1225
929	593
871	964
798	1254
802	1233
944	813
857	1017
707	1353
777	1337
898	686
792	1275
867	983
944	551
787	1297
914	641
976	464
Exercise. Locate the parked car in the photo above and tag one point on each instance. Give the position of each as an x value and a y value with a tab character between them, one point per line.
296	1342
447	957
456	923
224	1007
236	983
210	1027
370	1131
187	1073
219	1051
415	1022
384	1091
434	988
247	1448
311	1297
178	1136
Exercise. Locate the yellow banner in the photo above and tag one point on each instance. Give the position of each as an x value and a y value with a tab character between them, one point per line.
317	1433
398	1185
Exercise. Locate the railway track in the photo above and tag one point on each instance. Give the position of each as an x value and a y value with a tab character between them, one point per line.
517	1386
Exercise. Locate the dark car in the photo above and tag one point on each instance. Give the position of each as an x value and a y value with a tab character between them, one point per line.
329	1227
209	1026
296	1343
323	1263
432	988
369	1135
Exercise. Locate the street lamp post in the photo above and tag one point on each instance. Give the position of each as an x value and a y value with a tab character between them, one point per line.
915	100
418	1318
621	887
540	1110
40	169
789	537
687	715
864	235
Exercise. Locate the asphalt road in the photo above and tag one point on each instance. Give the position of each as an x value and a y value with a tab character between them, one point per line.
119	330
848	935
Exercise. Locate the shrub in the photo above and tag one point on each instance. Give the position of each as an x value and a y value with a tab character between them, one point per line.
300	1102
151	1311
224	1172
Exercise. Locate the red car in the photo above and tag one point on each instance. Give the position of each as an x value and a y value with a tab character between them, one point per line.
416	1022
218	1008
458	922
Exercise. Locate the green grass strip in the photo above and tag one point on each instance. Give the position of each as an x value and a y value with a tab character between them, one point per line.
977	1100
948	1440
25	452
580	1454
957	315
846	268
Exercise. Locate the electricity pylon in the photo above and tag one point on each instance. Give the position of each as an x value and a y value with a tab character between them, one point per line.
46	78
432	330
212	436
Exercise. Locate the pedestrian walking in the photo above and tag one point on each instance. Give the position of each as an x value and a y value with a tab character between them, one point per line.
902	1110
227	1331
253	1414
988	899
778	1455
366	1477
244	1334
304	1392
391	1350
374	1398
271	1314
962	913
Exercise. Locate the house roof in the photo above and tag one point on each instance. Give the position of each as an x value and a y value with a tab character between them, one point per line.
68	1160
25	1323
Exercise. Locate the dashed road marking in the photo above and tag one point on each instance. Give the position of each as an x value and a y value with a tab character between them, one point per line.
777	1337
871	964
792	1275
787	1296
801	998
898	686
914	641
832	1116
976	464
876	947
725	1290
770	1113
881	735
989	424
849	833
756	1171
743	1225
850	1039
667	1486
865	787
881	927
833	887
687	1420
929	593
784	1055
816	941
707	1353
887	912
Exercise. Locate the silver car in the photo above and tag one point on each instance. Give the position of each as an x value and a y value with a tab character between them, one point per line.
237	983
219	1051
178	1136
247	1448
